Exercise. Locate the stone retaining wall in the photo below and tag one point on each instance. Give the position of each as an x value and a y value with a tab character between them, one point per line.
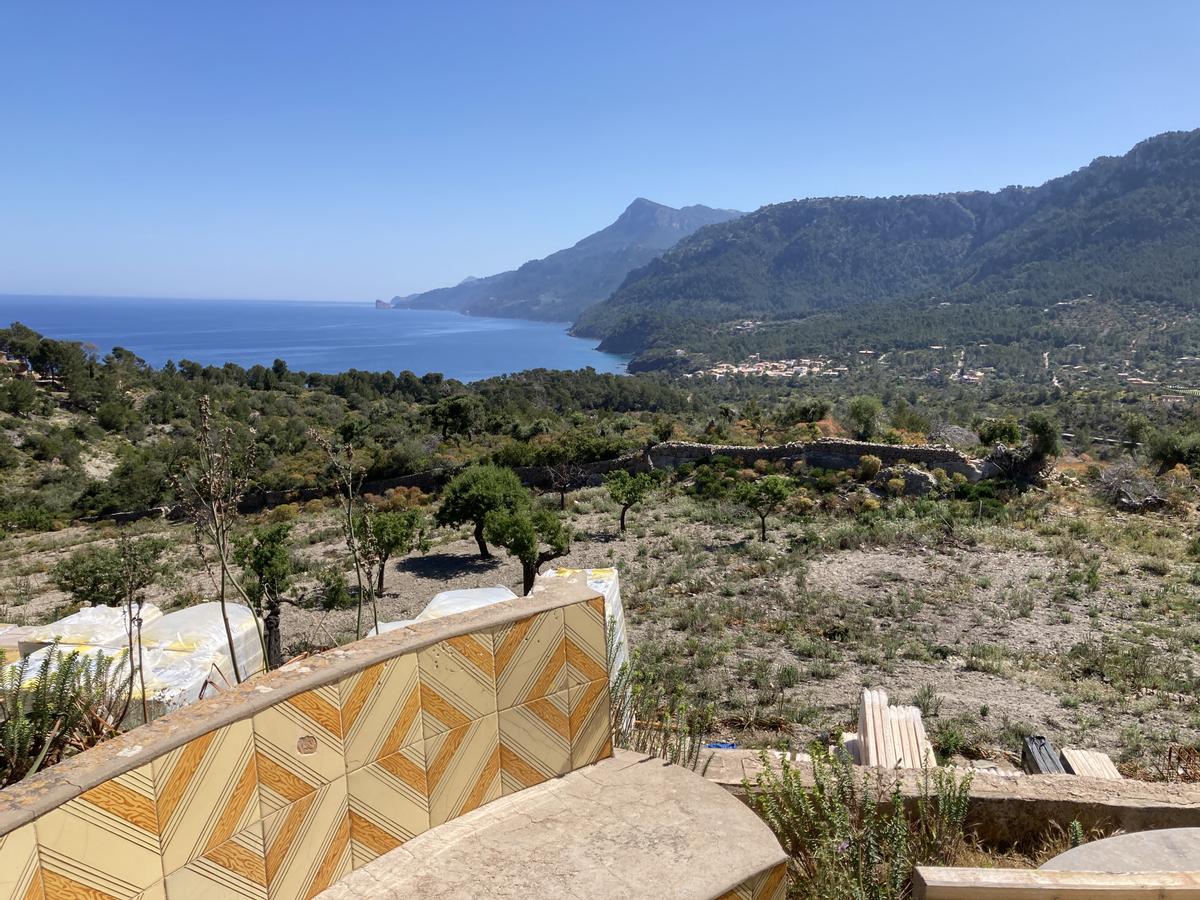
283	785
1016	810
826	453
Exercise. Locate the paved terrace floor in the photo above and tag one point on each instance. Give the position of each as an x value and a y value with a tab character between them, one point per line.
627	827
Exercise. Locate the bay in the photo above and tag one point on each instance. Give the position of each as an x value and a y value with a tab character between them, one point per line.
310	336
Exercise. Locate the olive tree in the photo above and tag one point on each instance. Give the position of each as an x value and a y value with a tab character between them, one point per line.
524	531
393	533
476	493
628	490
763	497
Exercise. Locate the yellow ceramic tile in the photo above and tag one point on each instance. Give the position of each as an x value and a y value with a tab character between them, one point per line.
462	769
381	711
458	682
308	844
586	644
535	742
235	868
19	875
205	793
769	885
591	728
298	747
156	892
531	659
389	803
104	842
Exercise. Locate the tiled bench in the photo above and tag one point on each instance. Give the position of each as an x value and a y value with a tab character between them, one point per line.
281	787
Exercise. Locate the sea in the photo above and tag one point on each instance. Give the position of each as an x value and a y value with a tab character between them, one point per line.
310	336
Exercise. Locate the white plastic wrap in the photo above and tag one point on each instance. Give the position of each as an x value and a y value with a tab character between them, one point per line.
99	626
173	678
385	627
200	630
447	603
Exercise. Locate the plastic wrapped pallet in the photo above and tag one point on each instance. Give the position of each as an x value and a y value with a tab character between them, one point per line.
608	583
173	678
447	603
97	626
200	630
11	638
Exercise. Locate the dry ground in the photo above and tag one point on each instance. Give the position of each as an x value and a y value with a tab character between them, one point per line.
1069	620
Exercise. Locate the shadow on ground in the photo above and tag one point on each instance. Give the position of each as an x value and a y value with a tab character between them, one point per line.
446	565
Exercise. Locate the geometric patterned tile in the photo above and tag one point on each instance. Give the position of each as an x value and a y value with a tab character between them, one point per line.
298	747
235	868
155	892
531	659
587	646
768	885
458	682
389	803
307	844
462	769
381	710
104	843
206	791
591	728
19	875
535	742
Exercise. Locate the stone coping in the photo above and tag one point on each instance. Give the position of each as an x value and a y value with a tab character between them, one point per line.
1012	809
25	801
628	827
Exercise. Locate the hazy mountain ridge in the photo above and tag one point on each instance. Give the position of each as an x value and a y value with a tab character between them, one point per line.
1122	226
562	285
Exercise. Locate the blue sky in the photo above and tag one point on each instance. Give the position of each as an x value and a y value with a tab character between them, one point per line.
359	150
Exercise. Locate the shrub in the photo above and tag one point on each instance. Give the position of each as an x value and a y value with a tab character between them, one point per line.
868	467
851	838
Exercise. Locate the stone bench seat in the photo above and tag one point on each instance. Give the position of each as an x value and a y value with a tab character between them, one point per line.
630	826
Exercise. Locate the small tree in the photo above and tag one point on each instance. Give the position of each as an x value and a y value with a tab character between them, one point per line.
265	554
863	414
348	475
628	490
210	490
1044	435
763	497
393	533
476	493
565	477
756	417
457	416
112	576
998	431
523	531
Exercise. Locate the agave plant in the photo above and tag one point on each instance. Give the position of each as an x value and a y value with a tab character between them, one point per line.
71	702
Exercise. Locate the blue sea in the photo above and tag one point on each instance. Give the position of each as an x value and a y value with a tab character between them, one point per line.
308	336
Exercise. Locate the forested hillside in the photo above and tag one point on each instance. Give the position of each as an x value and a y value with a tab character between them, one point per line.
1121	229
562	285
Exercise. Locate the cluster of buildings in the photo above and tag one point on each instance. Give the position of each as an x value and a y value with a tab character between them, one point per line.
773	368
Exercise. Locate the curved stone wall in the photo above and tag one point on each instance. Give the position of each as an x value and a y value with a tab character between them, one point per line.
278	788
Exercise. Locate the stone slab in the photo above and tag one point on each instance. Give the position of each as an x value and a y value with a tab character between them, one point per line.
628	827
1165	850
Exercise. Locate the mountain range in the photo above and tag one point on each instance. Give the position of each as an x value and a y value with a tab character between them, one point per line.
1125	229
559	287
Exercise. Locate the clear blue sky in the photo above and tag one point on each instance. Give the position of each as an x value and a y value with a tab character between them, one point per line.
352	150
